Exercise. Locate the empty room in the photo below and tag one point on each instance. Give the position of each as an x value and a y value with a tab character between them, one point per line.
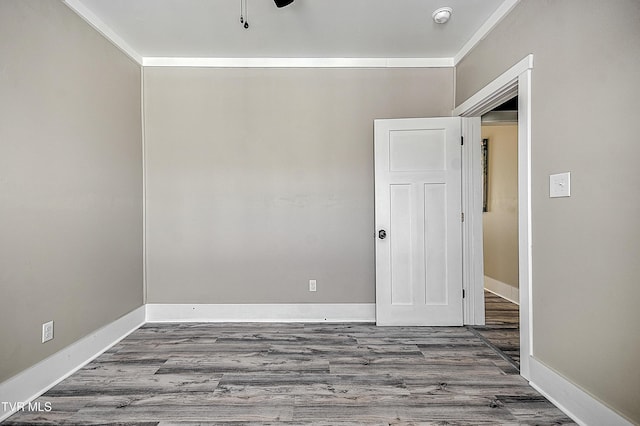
283	212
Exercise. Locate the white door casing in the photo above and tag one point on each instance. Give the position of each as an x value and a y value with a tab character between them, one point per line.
418	206
515	81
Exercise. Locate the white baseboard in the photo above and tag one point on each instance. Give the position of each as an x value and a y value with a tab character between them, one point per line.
36	380
285	312
512	294
583	408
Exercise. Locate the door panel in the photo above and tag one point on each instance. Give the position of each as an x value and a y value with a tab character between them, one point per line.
435	241
401	250
418	205
416	150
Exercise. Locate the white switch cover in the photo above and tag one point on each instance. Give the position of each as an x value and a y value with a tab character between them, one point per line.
312	285
560	185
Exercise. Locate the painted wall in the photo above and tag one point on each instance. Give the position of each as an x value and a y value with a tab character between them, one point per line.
500	222
586	248
261	179
70	181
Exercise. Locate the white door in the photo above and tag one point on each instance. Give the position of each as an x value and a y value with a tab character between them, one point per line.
418	221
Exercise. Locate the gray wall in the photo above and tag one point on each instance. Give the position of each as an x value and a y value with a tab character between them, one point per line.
261	179
586	248
70	181
500	222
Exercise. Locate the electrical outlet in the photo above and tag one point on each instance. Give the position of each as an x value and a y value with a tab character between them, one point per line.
312	285
47	331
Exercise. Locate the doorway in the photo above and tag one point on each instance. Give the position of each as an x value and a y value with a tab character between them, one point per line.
499	130
514	81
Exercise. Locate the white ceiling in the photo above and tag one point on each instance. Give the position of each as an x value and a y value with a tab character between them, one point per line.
304	29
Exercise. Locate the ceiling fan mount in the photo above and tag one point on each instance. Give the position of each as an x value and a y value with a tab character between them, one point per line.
244	14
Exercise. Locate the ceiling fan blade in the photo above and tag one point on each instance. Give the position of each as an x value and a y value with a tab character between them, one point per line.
283	3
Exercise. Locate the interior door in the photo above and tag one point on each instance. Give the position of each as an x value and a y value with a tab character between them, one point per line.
418	221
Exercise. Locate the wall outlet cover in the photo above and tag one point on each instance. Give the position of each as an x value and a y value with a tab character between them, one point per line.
312	285
47	331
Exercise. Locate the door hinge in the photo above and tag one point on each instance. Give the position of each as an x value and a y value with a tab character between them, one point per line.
462	217
463	293
461	140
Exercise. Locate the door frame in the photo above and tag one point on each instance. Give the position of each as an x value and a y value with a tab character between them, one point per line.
514	81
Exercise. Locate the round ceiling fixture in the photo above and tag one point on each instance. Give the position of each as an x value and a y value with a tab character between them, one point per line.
442	15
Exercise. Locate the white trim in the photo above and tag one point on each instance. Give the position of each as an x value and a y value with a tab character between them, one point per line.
144	189
299	62
525	239
34	381
576	403
504	290
515	80
286	312
81	10
472	244
486	28
493	94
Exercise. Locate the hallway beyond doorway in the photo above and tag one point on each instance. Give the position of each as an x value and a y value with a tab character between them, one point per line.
502	329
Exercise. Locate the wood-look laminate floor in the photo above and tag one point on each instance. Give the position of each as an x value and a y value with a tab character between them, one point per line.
502	328
325	374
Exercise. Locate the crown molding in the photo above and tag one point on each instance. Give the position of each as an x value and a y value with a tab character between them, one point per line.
495	18
298	62
91	18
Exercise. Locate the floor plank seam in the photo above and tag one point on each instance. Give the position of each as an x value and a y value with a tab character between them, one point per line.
493	347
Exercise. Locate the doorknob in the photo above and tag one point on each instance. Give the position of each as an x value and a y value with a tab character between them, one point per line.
382	234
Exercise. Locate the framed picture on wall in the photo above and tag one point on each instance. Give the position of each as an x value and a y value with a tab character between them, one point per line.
485	175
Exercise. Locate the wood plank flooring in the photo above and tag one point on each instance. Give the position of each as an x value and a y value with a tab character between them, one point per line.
502	328
323	374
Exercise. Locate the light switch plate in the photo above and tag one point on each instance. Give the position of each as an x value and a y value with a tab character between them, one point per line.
47	331
560	185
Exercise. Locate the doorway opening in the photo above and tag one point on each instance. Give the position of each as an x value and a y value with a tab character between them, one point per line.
499	131
515	81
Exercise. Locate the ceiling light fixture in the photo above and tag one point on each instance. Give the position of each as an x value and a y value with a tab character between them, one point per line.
442	15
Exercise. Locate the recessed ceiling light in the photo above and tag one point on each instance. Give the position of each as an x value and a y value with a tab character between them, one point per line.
442	15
